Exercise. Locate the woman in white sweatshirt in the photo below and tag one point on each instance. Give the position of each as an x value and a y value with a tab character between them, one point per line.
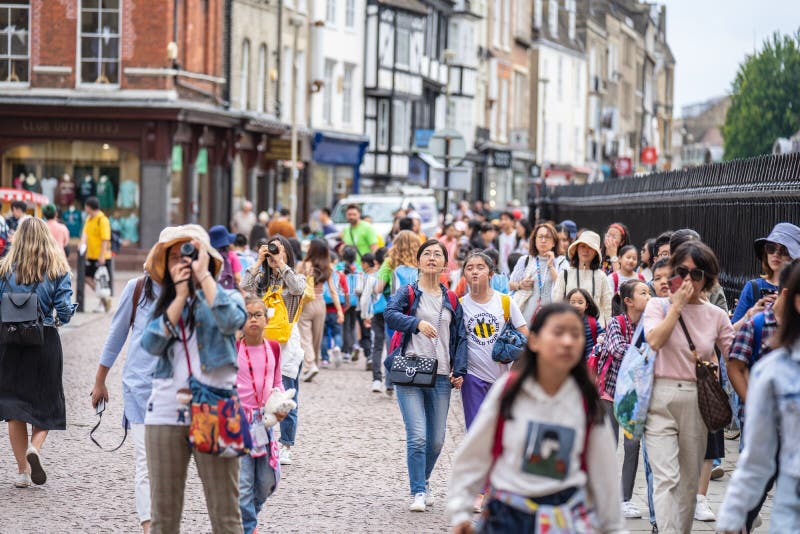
540	443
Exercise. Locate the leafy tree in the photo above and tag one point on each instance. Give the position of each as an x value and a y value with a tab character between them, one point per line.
765	99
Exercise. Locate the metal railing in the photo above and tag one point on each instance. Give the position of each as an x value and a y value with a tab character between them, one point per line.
730	204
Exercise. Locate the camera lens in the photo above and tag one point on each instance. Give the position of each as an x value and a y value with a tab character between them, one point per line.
188	250
273	248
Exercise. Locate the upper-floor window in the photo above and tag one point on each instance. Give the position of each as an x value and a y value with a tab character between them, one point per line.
403	52
99	38
350	14
327	92
347	93
552	17
330	12
261	88
14	50
244	76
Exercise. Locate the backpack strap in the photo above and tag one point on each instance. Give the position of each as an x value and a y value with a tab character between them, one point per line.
137	296
593	327
410	298
754	290
454	300
758	329
497	445
641	277
566	273
506	300
615	277
623	325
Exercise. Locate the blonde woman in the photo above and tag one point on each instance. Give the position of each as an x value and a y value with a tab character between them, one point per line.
31	391
399	269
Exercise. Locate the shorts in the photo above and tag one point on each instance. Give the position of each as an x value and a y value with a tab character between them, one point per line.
90	268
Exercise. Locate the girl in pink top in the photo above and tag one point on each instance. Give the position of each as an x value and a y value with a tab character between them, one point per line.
259	372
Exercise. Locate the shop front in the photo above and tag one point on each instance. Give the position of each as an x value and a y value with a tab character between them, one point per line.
335	174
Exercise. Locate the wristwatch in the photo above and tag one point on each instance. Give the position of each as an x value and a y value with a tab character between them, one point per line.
613	259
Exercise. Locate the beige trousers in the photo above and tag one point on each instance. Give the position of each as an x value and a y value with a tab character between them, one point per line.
311	325
676	438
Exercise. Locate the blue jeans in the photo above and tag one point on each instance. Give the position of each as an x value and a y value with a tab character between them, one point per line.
332	331
289	424
424	413
648	475
256	483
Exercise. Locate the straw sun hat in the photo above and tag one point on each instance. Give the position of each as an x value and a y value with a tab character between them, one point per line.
156	260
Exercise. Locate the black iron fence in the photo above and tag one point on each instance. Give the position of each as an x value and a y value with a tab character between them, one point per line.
730	204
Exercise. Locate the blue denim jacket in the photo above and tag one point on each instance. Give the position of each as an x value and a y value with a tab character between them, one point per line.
772	413
215	327
54	295
397	319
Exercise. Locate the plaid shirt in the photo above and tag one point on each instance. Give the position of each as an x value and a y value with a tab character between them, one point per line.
615	346
742	349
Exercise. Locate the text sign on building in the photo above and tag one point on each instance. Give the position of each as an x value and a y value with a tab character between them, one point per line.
649	155
501	159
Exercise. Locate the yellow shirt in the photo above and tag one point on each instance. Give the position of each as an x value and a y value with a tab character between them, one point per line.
97	229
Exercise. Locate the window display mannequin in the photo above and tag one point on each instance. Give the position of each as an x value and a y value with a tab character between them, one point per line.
18	181
49	186
73	218
87	188
129	228
66	192
128	194
105	193
31	183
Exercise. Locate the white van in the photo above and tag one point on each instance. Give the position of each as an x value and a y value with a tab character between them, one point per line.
382	207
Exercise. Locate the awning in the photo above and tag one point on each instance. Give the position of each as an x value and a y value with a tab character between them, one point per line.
338	148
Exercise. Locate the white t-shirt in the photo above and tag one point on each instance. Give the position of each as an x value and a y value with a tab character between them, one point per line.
162	406
483	323
621	280
428	310
506	243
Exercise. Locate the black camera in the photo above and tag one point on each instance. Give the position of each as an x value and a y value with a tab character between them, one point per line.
188	250
272	248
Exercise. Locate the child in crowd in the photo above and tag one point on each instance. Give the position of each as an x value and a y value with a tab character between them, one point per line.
582	301
246	256
628	259
662	272
259	372
355	282
540	443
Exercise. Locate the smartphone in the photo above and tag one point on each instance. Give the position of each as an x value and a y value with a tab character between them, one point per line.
100	408
675	284
767	292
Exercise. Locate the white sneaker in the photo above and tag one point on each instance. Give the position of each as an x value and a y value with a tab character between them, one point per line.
376	386
336	356
630	510
702	511
285	456
310	374
38	476
23	480
429	499
419	503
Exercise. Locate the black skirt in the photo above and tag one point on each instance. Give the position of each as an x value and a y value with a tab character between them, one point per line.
715	445
31	389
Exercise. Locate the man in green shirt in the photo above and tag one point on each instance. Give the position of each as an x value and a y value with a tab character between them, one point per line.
359	233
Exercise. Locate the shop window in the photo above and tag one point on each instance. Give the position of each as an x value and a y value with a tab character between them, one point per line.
99	41
14	50
68	172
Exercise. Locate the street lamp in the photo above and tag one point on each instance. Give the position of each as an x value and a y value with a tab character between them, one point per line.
296	22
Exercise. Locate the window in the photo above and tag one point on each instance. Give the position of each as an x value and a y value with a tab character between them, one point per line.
503	110
627	51
506	23
520	100
403	53
560	78
327	92
612	62
496	9
522	18
537	14
401	125
347	94
14	54
99	41
261	88
431	33
383	124
558	142
330	12
244	76
552	17
350	14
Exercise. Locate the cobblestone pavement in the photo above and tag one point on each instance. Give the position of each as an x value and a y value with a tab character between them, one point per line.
349	473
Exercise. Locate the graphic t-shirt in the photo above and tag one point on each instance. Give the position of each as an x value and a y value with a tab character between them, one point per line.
483	323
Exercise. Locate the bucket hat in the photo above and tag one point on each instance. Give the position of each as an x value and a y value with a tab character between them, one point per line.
570	227
785	234
220	237
588	238
156	262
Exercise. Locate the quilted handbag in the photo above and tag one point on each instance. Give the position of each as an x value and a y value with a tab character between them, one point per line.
413	370
21	319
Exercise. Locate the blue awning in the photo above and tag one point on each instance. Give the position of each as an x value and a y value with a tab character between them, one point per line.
336	148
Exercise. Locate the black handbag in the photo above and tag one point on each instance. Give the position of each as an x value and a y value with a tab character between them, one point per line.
414	369
21	319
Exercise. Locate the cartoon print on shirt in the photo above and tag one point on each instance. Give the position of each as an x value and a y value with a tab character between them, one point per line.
483	328
548	449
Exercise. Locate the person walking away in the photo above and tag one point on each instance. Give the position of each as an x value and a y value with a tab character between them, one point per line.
259	375
585	271
675	435
192	335
633	297
276	273
244	219
136	304
31	388
59	230
328	228
431	325
317	266
282	225
506	241
366	309
535	274
549	416
351	345
358	233
19	212
96	245
331	349
773	429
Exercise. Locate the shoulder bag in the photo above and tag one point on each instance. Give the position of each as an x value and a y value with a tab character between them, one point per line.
21	319
510	342
410	369
711	398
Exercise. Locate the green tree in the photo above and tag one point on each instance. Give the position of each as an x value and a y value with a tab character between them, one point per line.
765	98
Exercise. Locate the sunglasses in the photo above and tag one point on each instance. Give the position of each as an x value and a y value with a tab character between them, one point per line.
696	274
775	248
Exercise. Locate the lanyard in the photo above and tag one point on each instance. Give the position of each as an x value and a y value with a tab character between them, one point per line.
253	375
540	282
185	346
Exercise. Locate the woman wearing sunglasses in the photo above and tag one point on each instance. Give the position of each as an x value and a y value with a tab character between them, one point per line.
675	434
780	247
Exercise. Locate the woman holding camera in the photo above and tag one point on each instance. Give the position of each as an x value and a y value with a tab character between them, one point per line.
31	391
275	268
192	332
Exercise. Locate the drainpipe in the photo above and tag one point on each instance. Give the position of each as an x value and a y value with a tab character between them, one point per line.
227	29
279	55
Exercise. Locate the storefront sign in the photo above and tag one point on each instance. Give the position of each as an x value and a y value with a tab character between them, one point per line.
535	171
649	155
422	138
177	158
281	149
201	164
623	166
70	127
501	159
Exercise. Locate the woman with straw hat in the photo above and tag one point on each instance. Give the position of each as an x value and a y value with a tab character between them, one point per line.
192	331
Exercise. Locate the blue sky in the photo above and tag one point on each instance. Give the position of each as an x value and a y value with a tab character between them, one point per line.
709	38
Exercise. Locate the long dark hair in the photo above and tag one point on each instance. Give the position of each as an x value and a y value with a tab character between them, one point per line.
591	306
626	289
319	257
264	283
168	290
789	330
530	369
